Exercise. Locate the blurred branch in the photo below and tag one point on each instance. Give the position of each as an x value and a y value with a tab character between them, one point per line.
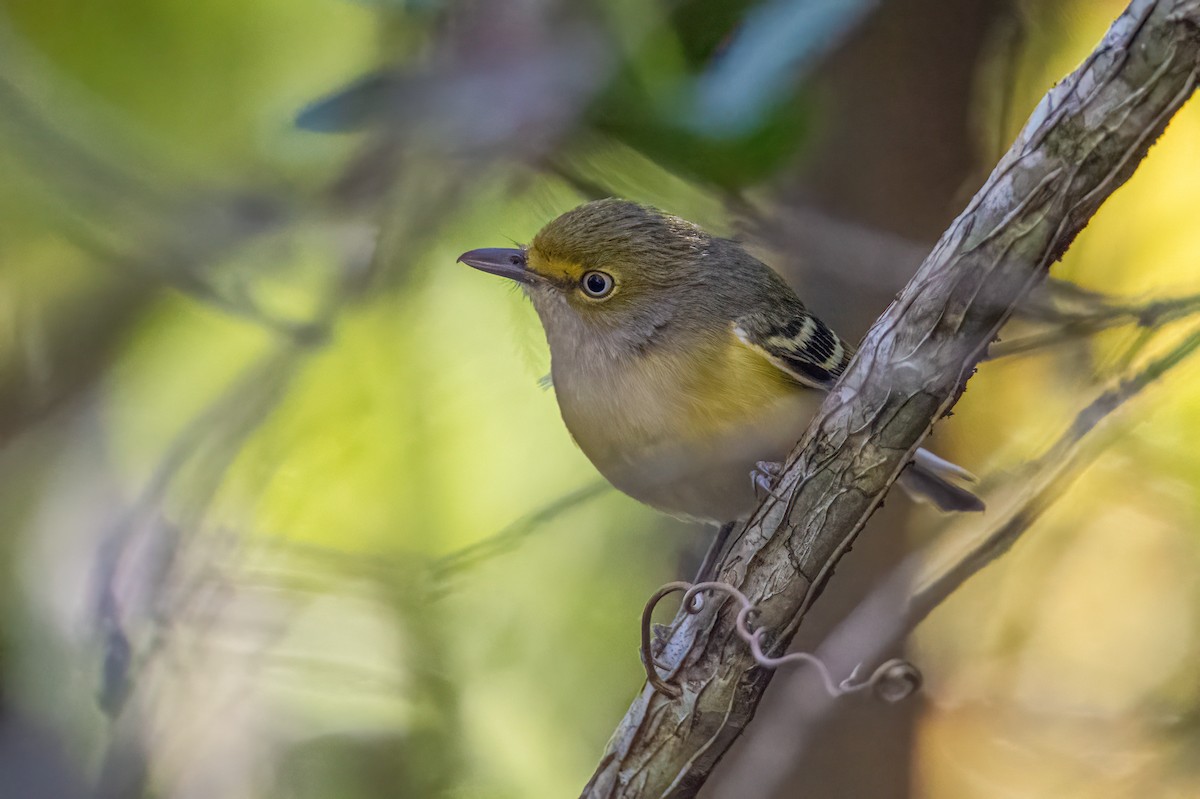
1048	477
210	442
1104	314
58	356
1082	142
114	202
449	566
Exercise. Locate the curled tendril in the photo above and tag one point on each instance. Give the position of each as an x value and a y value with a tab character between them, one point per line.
892	681
652	676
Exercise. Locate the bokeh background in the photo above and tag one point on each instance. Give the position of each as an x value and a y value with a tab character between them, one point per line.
286	512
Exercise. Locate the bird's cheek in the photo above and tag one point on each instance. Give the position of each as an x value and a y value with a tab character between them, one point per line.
541	295
554	311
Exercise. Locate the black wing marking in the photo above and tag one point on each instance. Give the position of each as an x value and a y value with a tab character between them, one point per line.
798	343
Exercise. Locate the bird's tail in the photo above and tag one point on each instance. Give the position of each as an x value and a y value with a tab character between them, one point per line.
932	479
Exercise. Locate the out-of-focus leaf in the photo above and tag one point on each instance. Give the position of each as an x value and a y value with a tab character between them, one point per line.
778	43
661	131
732	111
675	110
705	27
350	108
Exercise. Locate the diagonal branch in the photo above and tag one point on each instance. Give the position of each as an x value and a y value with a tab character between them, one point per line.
1082	142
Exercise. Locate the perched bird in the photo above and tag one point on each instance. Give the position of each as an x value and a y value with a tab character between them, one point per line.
682	365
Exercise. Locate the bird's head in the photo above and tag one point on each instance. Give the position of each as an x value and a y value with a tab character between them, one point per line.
615	273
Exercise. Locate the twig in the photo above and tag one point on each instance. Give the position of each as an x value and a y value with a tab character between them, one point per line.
513	535
1105	316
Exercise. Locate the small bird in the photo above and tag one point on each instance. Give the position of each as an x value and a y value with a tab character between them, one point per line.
685	368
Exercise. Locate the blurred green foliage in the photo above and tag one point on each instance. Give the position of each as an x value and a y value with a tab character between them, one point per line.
252	411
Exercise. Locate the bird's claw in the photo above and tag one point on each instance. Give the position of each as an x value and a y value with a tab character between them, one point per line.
763	477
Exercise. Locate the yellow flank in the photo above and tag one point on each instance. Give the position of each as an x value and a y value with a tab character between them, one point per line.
667	397
731	384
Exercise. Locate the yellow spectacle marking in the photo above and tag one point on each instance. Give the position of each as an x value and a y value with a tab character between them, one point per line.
552	268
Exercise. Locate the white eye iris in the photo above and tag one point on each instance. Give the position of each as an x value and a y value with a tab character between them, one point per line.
596	285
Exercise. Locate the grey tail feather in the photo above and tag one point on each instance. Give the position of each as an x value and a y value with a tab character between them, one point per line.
927	479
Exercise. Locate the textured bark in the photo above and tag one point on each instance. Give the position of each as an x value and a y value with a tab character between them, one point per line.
1082	142
839	230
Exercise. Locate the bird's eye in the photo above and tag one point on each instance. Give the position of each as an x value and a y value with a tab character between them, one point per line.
596	285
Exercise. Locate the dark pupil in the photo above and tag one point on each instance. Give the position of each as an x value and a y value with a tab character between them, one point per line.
596	284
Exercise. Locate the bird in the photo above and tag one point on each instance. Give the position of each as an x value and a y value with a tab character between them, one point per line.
684	368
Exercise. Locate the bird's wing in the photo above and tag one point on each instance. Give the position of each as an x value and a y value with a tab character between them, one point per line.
797	342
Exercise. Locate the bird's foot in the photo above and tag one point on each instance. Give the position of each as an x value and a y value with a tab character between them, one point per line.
763	476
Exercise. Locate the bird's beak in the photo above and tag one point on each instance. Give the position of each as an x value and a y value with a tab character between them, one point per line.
501	261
